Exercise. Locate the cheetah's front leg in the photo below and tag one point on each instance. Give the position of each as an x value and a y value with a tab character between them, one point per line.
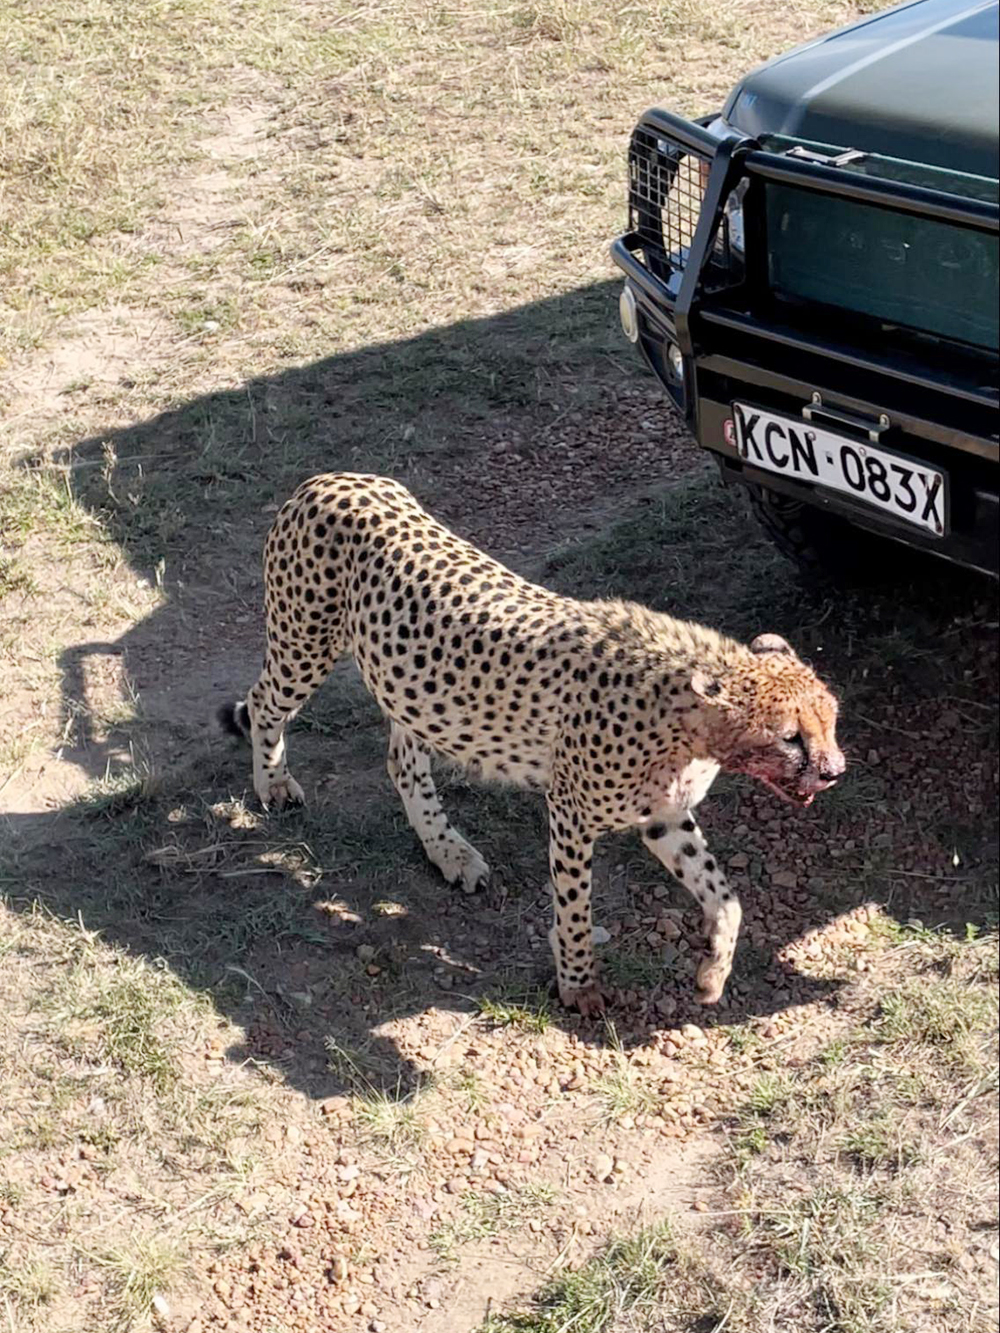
571	936
677	841
409	767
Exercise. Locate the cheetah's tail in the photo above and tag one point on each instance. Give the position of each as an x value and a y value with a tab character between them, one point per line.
234	719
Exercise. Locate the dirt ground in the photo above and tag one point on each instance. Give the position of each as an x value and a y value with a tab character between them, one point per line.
268	1074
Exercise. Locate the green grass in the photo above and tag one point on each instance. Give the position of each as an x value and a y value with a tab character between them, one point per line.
769	1093
623	1088
116	794
26	1288
119	1014
486	1216
529	1011
642	1283
944	1014
876	1142
140	1272
14	578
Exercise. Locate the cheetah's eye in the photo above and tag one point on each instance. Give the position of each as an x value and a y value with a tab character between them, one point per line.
795	739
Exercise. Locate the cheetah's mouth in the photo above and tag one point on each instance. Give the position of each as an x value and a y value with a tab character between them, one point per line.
794	796
804	793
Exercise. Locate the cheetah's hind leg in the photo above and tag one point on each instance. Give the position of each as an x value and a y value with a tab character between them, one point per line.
261	719
409	766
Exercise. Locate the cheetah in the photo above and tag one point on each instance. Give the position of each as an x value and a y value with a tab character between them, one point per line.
622	716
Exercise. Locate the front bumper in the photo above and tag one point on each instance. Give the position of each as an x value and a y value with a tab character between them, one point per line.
735	343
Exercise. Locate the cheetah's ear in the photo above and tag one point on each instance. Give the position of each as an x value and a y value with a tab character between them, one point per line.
709	688
771	643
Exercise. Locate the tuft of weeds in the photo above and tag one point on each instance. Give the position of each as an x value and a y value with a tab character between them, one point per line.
876	1142
769	1093
471	1088
527	1010
41	499
828	1239
14	578
622	1089
387	1117
115	794
484	1216
390	1120
139	1271
944	1013
27	1287
121	1010
643	1283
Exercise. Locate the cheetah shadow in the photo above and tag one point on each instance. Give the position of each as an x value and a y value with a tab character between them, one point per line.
320	933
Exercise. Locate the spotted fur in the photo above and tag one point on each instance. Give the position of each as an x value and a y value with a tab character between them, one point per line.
621	715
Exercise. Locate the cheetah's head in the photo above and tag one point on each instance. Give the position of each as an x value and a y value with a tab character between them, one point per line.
778	720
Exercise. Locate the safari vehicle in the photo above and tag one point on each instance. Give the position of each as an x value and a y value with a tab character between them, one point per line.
812	274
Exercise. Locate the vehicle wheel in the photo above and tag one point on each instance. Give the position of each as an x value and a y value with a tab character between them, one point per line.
825	545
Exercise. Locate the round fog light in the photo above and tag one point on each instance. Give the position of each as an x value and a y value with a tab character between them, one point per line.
676	361
628	314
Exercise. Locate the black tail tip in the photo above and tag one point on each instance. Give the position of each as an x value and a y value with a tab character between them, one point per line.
234	719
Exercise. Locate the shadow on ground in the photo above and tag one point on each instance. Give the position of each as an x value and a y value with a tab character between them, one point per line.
324	927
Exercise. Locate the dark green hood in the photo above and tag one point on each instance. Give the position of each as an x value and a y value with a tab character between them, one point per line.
919	82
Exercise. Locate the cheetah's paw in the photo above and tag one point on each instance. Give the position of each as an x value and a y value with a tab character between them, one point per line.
462	865
280	794
711	981
587	999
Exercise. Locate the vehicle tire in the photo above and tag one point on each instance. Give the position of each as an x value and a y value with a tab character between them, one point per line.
826	546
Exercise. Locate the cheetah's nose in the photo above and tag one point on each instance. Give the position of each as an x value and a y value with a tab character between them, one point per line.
831	766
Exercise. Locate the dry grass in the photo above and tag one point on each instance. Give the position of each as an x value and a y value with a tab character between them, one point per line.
242	241
830	1218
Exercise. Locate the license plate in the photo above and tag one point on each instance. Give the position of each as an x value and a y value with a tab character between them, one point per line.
904	487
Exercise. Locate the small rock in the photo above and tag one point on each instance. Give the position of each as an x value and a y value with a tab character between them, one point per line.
338	1269
603	1166
699	1206
785	879
365	953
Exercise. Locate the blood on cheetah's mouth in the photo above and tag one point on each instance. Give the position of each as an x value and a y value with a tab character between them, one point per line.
801	798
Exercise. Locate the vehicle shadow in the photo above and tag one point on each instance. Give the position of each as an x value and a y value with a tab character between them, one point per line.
316	932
